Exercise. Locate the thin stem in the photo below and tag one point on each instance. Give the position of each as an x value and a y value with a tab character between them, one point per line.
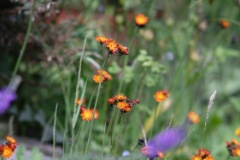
25	40
95	106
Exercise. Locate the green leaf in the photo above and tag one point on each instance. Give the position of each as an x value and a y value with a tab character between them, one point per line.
114	68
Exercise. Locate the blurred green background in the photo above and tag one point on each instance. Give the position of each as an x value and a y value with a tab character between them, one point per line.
183	48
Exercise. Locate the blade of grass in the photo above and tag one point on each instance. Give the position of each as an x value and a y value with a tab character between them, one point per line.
54	131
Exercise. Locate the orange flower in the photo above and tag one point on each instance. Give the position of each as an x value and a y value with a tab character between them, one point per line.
224	23
79	100
161	95
233	148
237	132
11	139
196	157
105	74
193	117
96	114
160	154
12	143
122	49
122	105
203	154
102	39
101	76
6	151
86	115
141	20
111	101
112	46
236	151
97	78
120	97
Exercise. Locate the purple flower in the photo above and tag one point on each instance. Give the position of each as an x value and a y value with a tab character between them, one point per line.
164	141
6	97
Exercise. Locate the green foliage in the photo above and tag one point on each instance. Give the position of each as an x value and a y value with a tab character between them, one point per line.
182	48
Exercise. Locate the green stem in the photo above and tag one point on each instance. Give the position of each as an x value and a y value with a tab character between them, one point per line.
25	40
95	106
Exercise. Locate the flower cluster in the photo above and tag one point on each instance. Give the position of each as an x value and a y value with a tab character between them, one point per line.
101	76
87	114
161	95
6	97
122	102
203	154
164	141
141	20
112	46
7	150
233	148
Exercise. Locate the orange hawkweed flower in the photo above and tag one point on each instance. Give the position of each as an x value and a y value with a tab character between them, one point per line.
224	23
122	49
161	95
12	143
120	97
87	114
160	154
111	101
96	114
97	78
193	117
203	154
237	132
101	76
105	74
122	102
122	105
6	151
236	151
141	20
233	148
102	39
11	139
79	100
112	46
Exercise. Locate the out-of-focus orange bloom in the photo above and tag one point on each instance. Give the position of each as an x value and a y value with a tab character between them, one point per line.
141	20
237	132
122	49
161	95
101	76
193	117
203	154
87	114
233	148
102	39
111	101
224	23
160	154
122	102
79	100
6	151
120	97
96	114
112	46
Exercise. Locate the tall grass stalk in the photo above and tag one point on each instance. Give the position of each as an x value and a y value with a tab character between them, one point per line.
95	106
25	40
210	103
54	131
